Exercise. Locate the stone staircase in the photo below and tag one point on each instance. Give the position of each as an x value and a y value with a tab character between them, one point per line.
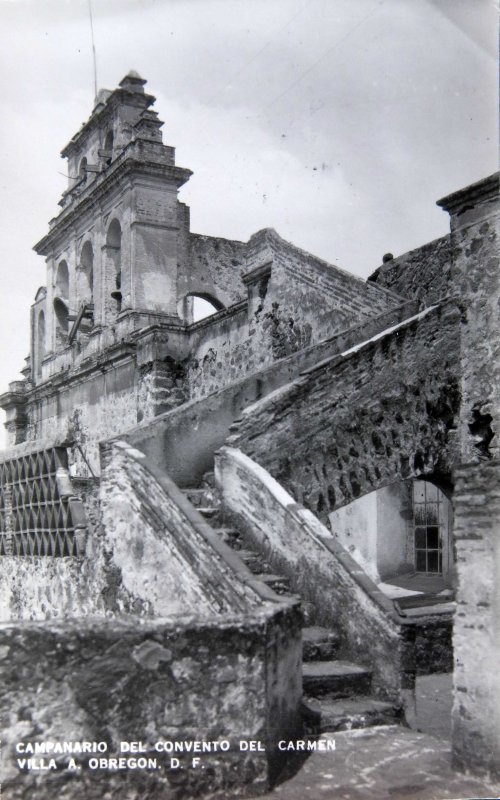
336	692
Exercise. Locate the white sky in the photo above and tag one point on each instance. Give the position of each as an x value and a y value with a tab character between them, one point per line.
337	122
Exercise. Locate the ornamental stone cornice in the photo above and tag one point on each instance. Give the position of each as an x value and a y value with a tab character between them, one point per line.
480	192
119	172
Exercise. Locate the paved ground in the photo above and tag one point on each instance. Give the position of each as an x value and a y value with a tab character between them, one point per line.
382	763
434	699
391	762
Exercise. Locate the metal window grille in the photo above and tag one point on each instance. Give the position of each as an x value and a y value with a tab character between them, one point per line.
428	533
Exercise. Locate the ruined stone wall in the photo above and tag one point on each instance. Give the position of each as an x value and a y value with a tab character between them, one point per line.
476	633
300	302
312	291
215	267
383	412
162	681
183	441
222	351
475	240
424	274
98	404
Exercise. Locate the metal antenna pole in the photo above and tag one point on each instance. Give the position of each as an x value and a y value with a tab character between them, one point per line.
93	47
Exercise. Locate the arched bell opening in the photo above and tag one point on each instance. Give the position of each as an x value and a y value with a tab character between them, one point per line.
62	281
40	343
113	250
82	169
61	314
108	147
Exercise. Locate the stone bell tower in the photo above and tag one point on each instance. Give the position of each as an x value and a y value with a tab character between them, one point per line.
112	251
100	325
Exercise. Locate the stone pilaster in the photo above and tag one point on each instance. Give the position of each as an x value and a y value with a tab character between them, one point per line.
162	383
476	639
14	404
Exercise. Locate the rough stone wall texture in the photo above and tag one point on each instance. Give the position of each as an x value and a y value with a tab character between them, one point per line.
162	681
297	545
304	301
309	290
223	350
384	412
476	634
475	251
161	386
424	274
182	441
475	239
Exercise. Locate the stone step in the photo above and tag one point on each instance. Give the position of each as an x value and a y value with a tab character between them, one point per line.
209	512
347	713
254	562
277	583
202	497
335	679
319	643
208	479
231	536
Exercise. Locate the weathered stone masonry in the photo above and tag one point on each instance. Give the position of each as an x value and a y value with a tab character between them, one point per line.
385	412
424	274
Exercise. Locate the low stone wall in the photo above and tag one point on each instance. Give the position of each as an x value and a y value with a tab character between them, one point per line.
298	545
166	637
166	681
166	556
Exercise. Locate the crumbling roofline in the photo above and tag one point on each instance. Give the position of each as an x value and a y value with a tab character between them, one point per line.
96	119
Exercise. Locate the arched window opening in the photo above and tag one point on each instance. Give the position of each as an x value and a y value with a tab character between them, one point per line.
62	321
40	344
82	169
114	267
86	274
108	147
196	307
62	281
